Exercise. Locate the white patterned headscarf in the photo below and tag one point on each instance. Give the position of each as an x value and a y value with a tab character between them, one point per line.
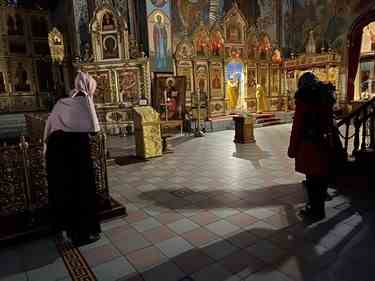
76	113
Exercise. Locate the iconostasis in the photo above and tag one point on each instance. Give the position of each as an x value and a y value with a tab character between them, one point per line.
227	61
25	64
122	79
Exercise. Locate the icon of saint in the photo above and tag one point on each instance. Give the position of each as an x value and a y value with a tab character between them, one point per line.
160	43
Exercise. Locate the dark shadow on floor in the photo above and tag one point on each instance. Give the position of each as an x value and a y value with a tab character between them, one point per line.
307	246
253	153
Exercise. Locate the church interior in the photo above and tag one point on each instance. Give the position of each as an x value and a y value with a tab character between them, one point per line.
195	100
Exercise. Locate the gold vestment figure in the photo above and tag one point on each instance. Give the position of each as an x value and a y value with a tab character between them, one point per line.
233	91
262	103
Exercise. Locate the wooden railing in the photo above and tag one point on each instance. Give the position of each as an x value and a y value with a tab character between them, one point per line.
358	128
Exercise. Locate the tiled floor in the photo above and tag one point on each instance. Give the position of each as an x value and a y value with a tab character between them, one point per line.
216	211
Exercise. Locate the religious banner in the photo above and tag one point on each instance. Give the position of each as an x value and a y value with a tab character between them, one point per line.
160	35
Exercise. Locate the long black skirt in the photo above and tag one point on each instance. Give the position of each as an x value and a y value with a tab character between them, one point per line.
71	184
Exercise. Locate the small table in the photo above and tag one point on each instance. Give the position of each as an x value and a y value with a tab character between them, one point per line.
244	129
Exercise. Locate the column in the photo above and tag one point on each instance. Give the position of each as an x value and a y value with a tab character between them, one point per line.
214	11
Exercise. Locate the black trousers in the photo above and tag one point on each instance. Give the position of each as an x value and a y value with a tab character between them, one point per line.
71	184
317	191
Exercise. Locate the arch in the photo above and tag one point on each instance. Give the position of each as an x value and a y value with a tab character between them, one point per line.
354	48
109	34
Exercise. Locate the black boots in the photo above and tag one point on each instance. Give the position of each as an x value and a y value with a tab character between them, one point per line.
316	188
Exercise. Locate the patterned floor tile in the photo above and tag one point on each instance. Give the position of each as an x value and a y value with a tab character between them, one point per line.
174	247
213	272
114	270
146	258
169	217
192	261
222	228
204	218
166	272
101	254
147	224
159	234
182	226
199	236
242	220
219	249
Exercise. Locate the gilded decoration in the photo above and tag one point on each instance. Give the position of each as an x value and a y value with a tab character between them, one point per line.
23	179
109	34
147	132
13	198
123	81
56	45
230	49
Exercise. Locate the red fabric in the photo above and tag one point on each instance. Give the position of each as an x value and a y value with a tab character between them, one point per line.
310	158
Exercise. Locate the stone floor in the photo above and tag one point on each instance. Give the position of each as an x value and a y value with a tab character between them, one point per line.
214	211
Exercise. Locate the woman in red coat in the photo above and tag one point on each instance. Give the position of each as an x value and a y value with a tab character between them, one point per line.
310	140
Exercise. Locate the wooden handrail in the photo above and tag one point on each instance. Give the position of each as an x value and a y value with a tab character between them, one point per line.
346	119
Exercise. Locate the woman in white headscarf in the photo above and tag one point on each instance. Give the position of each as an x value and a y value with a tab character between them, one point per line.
70	169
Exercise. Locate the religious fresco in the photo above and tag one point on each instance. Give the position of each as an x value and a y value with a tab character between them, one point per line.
187	15
217	43
368	39
235	85
330	21
170	97
202	43
160	36
21	78
263	78
201	77
128	86
216	80
251	81
103	87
